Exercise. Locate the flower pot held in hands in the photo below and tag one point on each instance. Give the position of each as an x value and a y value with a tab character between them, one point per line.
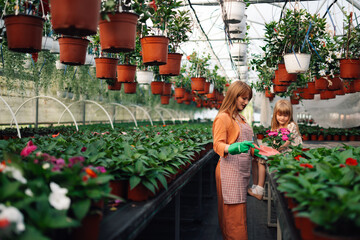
126	73
297	63
24	33
154	50
172	66
350	68
130	87
118	34
106	67
75	18
73	50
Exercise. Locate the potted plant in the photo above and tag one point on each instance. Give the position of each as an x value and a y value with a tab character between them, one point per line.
154	48
73	50
118	26
198	70
23	30
350	63
234	11
178	28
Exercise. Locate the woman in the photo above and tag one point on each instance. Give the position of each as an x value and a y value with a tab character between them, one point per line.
232	137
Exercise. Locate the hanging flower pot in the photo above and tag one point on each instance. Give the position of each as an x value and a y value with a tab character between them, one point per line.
234	11
340	91
206	88
165	99
284	76
75	18
172	66
350	68
237	36
334	84
327	95
197	84
297	63
179	93
356	84
179	101
130	87
46	44
278	89
349	86
154	50
24	33
238	50
73	50
166	89
106	67
321	83
294	101
55	48
238	27
277	81
268	93
304	93
144	77
115	87
118	34
212	96
157	87
312	89
126	73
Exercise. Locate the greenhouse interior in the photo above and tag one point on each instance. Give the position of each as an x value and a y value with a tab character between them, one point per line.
241	124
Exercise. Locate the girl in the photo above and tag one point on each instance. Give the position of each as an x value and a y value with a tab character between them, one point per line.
232	141
282	118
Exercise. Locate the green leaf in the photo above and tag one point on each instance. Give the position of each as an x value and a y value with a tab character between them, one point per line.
162	179
134	181
81	208
9	189
149	186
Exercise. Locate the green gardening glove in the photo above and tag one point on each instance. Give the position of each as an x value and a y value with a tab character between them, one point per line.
240	147
256	153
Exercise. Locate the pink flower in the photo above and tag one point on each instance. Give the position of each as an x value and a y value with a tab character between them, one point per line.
267	131
284	137
101	169
83	149
273	133
74	160
30	147
158	133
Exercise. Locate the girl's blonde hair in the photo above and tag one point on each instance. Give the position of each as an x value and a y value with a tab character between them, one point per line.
236	89
282	107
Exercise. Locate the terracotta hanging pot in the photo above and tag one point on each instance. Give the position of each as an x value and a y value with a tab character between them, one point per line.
179	93
349	86
356	84
340	91
294	101
278	89
106	67
157	87
197	84
312	89
211	96
154	50
24	33
336	84
350	68
118	34
327	95
166	91
115	87
304	93
268	93
172	66
130	87
284	76
165	99
179	101
126	73
75	18
277	81
206	88
321	83
73	50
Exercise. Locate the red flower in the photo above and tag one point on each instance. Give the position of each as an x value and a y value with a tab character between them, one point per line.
90	172
305	149
2	166
351	162
306	165
152	4
35	56
83	149
55	135
4	223
30	147
85	178
188	57
297	157
227	84
342	165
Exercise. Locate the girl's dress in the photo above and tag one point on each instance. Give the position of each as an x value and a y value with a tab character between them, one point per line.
232	180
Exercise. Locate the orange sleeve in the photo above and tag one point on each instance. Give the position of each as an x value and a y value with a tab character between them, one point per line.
219	136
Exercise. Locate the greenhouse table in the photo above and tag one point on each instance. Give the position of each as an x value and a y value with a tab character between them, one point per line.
131	218
285	220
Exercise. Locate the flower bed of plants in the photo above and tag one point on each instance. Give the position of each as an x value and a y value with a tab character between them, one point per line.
321	185
316	133
50	184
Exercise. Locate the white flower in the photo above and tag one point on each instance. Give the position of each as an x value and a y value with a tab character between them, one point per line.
29	192
338	54
58	198
15	173
329	59
13	215
46	165
322	72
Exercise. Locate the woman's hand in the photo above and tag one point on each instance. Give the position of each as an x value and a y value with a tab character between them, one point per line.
240	147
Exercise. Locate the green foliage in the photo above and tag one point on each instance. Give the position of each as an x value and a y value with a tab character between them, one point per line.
178	29
199	64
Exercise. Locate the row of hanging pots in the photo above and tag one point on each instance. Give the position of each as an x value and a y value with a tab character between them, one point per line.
235	19
129	87
161	88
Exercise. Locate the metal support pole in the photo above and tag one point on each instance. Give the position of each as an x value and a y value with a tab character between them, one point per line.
84	112
177	216
36	113
114	113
